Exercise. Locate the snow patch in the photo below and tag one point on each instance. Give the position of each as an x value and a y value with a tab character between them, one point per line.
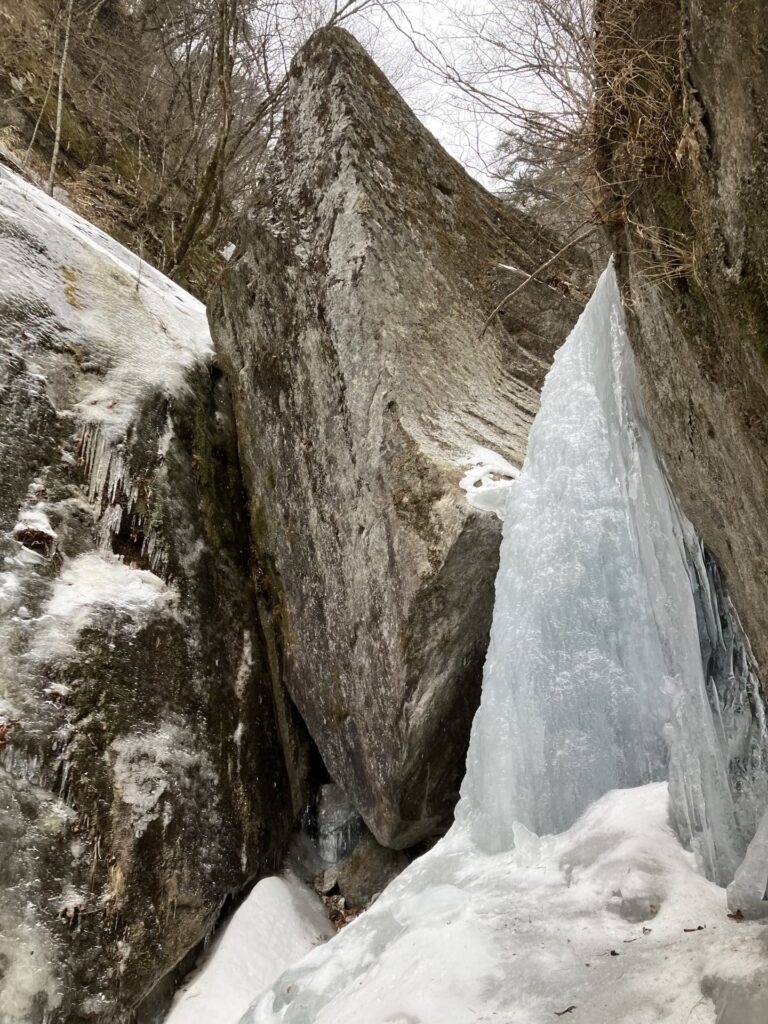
611	917
488	481
279	922
34	529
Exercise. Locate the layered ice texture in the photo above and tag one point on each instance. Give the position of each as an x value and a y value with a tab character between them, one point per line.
595	677
575	878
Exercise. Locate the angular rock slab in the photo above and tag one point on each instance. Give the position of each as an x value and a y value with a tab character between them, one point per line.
141	776
351	326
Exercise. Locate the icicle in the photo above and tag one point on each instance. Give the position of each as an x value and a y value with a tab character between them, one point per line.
115	495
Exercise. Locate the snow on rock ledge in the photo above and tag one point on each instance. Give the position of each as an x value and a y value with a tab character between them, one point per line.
129	655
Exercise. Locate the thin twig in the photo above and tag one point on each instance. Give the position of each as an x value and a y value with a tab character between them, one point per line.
531	277
60	102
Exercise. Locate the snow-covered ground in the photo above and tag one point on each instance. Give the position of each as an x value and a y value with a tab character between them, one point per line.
279	923
611	918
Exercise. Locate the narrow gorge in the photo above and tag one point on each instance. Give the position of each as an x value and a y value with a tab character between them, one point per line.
384	639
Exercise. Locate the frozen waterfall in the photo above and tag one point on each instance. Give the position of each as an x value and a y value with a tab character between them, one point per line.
594	678
613	665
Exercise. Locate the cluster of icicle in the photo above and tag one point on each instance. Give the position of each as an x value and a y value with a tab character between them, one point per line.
111	488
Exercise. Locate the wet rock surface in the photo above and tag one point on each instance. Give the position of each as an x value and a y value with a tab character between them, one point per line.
350	324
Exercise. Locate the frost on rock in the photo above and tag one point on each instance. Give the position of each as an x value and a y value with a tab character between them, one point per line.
95	584
147	765
561	883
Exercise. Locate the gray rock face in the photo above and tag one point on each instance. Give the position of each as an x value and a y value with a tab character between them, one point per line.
141	775
696	274
350	324
368	871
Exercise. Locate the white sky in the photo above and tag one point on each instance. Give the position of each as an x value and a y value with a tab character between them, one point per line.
468	133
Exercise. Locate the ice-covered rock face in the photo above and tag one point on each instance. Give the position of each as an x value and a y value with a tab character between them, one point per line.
594	680
141	778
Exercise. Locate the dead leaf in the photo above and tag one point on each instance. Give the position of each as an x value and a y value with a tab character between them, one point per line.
698	928
562	1013
736	916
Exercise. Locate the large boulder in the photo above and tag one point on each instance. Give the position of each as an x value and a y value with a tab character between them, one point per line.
141	772
682	125
350	323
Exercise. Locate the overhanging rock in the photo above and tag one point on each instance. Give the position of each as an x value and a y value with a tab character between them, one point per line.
350	323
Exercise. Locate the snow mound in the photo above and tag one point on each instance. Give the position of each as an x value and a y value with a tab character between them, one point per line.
278	924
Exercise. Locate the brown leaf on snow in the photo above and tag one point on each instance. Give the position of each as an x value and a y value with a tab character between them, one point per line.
562	1013
736	916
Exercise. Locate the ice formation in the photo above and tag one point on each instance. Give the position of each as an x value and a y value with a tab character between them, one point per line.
80	283
488	480
337	823
594	677
562	883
